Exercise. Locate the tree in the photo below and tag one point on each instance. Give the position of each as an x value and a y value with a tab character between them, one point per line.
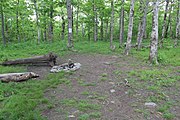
95	21
142	25
2	24
154	35
130	27
164	23
177	25
112	24
17	21
69	14
37	21
51	21
121	25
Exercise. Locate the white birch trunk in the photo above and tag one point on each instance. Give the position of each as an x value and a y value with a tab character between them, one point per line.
143	24
69	13
164	24
154	35
177	25
130	28
37	21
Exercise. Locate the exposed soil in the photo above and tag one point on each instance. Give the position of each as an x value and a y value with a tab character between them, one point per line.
106	76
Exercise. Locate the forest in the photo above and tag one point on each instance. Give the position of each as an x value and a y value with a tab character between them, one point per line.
127	51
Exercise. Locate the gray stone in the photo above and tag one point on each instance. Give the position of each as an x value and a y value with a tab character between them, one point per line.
150	104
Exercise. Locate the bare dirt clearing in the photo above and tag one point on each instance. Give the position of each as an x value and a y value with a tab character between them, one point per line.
102	89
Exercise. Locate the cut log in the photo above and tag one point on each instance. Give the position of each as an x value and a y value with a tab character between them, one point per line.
17	77
49	59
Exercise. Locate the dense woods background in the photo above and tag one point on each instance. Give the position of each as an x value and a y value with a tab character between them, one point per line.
94	20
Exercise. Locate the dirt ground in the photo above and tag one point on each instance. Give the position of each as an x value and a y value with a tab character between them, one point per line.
98	76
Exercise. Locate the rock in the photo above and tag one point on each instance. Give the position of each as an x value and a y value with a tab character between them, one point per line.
107	63
112	102
126	92
150	104
112	90
112	83
71	116
114	56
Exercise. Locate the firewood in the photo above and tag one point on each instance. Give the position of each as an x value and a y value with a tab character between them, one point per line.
17	77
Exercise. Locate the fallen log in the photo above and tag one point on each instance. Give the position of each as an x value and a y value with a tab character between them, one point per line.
49	59
17	77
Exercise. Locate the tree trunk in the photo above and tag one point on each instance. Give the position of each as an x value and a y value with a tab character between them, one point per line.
154	35
82	25
6	29
102	31
77	20
112	24
51	22
169	22
143	24
89	33
130	27
49	59
37	21
164	24
45	28
63	28
72	9
121	25
107	27
95	21
2	25
17	77
69	14
177	25
17	22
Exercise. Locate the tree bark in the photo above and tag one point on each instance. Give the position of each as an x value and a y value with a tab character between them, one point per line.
164	24
63	28
49	59
95	21
69	14
177	25
82	25
107	27
169	22
112	24
130	27
121	25
2	25
17	77
77	21
142	25
154	35
17	22
37	21
102	31
51	22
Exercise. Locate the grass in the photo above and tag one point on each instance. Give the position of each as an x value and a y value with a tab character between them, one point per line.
94	95
82	105
20	100
156	81
89	116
